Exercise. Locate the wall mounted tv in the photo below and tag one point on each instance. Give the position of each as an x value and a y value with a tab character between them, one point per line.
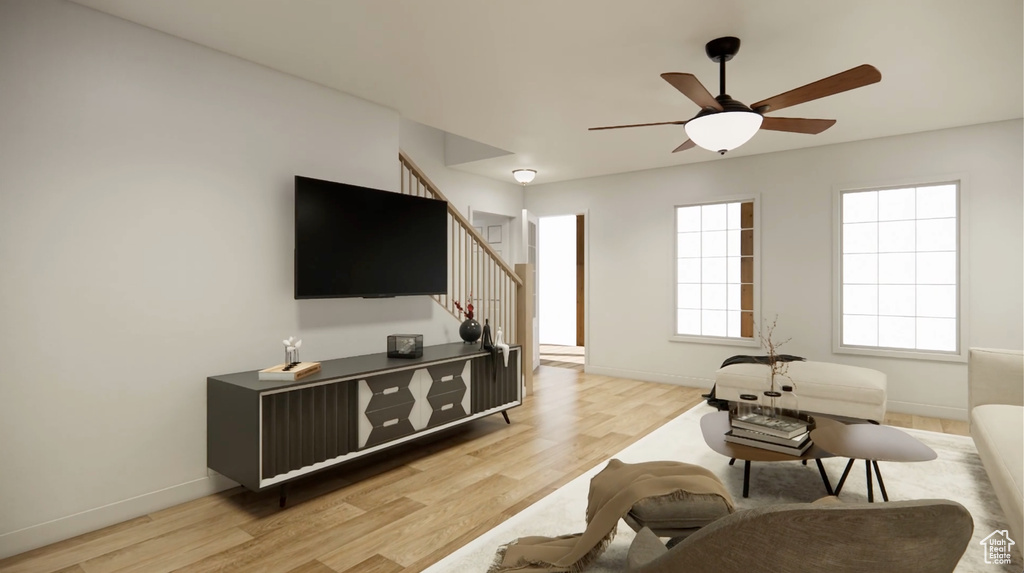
353	241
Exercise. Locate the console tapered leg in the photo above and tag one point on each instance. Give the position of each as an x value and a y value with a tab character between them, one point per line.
284	495
505	414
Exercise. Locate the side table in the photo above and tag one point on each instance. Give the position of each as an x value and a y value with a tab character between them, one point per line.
873	444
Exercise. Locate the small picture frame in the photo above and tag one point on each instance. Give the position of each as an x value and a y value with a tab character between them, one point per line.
494	233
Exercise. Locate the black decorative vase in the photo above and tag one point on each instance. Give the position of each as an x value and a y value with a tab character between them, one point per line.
470	330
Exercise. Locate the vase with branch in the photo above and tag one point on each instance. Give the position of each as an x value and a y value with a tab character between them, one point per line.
470	329
778	367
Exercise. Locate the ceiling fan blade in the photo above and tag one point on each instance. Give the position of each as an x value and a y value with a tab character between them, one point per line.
682	122
797	124
841	82
693	89
688	144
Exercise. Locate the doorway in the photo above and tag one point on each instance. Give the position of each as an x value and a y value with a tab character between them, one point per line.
561	291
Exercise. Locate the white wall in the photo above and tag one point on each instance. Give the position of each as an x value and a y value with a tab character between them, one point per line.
631	269
556	271
426	147
484	223
146	243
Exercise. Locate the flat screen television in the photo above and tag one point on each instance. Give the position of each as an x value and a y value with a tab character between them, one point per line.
353	241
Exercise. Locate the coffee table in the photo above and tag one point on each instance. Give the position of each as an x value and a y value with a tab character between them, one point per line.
714	426
871	443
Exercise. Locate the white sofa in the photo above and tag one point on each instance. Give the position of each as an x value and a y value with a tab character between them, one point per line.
996	414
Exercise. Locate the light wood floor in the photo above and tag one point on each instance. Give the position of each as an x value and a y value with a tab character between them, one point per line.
570	357
403	510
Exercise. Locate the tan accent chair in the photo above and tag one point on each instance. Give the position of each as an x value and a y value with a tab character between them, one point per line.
920	536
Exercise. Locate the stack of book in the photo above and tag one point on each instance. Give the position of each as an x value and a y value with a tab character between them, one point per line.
779	434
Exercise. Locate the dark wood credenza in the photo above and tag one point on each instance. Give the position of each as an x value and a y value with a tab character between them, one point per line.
264	433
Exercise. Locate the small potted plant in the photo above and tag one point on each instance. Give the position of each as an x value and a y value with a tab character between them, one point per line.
470	330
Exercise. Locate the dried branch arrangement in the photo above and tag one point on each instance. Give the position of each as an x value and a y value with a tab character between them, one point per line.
468	311
766	336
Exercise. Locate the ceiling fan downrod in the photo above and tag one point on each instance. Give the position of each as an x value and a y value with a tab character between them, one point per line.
722	50
721	77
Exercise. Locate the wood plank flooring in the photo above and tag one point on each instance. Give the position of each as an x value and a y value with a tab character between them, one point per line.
570	357
403	510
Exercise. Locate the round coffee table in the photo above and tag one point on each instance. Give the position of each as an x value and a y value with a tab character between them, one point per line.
871	443
714	426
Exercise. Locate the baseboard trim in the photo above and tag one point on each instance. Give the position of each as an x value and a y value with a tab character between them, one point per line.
678	380
929	410
34	536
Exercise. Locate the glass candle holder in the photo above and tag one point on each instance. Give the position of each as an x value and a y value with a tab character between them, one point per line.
788	402
747	405
769	405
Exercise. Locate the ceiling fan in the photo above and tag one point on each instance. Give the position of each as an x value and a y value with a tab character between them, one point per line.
724	123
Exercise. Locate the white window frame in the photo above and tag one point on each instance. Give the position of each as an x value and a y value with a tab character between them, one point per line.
720	340
963	266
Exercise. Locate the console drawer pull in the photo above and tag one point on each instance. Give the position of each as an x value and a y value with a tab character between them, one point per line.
447	407
390	390
389	423
448	378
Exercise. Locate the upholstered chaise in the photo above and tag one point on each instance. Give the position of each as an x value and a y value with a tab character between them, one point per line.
822	387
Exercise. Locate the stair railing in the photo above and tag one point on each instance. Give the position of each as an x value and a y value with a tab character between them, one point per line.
475	269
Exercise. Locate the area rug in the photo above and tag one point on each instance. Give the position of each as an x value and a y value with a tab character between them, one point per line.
956	474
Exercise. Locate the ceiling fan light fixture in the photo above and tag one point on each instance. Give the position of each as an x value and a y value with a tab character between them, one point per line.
524	176
723	131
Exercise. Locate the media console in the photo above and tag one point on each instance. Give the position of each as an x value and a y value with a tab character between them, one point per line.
263	433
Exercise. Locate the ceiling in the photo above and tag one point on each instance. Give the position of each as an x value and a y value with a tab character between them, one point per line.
530	76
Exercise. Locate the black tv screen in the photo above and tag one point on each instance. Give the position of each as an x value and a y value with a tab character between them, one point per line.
353	241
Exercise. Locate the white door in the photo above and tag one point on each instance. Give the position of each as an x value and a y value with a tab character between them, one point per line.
557	296
530	240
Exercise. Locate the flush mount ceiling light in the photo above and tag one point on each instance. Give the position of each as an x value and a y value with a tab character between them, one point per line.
724	123
524	176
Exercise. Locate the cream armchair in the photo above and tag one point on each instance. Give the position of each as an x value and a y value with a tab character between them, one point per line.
995	383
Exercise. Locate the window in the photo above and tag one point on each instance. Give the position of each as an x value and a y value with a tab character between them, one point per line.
899	269
715	270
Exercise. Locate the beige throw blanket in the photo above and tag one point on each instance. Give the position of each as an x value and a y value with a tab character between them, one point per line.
613	492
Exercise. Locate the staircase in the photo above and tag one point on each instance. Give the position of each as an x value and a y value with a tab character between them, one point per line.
475	270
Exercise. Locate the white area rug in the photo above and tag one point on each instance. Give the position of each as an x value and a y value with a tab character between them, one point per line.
957	474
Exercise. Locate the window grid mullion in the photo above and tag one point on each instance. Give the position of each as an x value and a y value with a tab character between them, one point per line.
878	290
877	284
702	235
917	311
700	291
